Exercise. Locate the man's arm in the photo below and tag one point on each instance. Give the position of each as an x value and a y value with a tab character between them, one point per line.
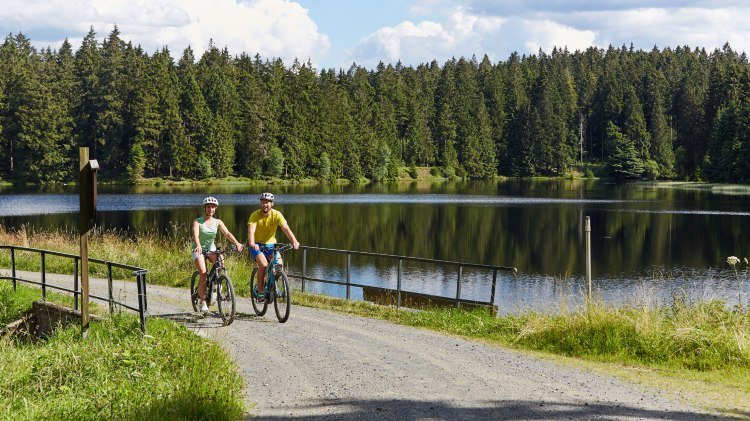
251	235
290	235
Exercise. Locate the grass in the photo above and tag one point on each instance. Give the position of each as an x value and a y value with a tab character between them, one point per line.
115	372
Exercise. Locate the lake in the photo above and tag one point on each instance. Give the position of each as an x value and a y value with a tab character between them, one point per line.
650	241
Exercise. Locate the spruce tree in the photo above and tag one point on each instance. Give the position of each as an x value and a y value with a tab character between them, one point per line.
196	119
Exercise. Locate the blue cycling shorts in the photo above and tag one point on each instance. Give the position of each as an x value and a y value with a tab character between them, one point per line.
268	252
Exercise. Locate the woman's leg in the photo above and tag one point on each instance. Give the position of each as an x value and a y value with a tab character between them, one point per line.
200	263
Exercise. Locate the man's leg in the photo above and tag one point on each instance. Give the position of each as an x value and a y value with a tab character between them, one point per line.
262	262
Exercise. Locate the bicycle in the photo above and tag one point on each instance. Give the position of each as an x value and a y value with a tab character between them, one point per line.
276	284
219	278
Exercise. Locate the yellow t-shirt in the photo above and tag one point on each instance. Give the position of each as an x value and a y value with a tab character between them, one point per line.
265	227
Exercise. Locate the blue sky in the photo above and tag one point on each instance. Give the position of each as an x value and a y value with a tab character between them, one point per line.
337	33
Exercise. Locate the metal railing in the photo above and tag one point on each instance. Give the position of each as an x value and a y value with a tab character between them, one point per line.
458	300
139	273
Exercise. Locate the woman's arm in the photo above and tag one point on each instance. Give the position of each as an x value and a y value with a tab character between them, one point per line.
196	240
229	235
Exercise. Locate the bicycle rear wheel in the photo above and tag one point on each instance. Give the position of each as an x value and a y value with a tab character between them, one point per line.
282	297
225	299
194	290
259	307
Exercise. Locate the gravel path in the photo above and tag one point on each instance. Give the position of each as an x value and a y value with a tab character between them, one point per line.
323	365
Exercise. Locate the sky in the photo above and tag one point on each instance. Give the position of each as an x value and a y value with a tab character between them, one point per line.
336	34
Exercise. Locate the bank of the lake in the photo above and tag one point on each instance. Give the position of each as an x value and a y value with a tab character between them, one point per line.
115	372
405	174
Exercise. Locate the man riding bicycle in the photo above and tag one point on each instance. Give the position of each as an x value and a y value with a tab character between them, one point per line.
204	232
261	232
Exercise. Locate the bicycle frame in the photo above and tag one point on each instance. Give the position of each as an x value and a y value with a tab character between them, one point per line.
273	264
218	278
275	289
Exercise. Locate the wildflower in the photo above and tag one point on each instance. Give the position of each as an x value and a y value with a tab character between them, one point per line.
733	260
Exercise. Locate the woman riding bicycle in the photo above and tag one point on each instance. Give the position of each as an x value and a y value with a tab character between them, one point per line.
204	232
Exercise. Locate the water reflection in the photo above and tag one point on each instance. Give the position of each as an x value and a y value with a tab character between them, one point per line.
644	238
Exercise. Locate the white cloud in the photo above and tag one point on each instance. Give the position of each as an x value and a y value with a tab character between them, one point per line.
645	28
273	28
498	28
465	34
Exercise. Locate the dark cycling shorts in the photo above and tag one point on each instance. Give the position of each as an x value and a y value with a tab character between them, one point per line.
268	251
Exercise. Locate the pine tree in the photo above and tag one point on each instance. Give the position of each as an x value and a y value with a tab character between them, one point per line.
446	125
64	90
252	144
87	62
172	136
216	78
144	124
625	162
109	128
196	119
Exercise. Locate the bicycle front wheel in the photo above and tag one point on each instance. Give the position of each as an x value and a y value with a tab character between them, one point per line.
282	297
194	290
260	306
225	299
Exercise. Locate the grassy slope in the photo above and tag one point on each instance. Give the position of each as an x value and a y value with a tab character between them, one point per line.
115	372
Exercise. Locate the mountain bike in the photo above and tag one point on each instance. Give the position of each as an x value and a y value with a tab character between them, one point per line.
276	283
217	280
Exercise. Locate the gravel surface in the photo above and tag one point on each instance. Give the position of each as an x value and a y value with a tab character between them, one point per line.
328	366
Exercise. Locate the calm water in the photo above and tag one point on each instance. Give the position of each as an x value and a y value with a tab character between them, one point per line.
648	242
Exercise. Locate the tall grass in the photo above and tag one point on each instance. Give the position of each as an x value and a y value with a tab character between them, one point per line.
117	373
695	336
167	257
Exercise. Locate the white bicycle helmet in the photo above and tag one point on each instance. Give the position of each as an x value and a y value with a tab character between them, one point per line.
210	200
266	196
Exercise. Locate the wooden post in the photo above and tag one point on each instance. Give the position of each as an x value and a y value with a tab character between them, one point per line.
588	255
84	178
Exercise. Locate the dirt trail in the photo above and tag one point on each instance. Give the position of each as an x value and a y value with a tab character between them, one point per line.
324	365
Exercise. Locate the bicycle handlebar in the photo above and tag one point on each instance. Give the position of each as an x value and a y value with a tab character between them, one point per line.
219	251
280	247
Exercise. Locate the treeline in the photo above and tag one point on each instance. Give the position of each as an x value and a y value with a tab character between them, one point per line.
672	113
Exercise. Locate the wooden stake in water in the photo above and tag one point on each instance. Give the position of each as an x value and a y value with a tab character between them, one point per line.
588	255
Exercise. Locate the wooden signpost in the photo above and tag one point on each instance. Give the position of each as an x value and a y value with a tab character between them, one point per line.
87	219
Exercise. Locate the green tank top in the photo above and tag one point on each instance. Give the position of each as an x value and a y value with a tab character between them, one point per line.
206	233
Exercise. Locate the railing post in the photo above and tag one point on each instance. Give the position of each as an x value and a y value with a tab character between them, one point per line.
304	268
398	281
13	265
348	274
492	294
458	286
141	301
145	296
588	255
75	283
44	278
109	284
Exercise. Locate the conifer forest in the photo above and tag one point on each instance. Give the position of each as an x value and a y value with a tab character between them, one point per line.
673	113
